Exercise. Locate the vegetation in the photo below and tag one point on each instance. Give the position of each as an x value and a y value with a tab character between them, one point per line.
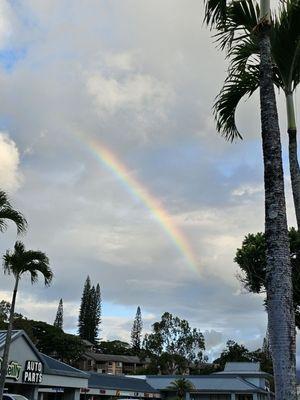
90	312
181	386
231	19
136	331
18	263
173	345
251	258
59	319
8	213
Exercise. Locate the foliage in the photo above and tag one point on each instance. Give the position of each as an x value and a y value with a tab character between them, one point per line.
235	352
181	386
7	212
173	344
59	319
251	258
90	312
50	339
136	331
23	261
4	310
115	347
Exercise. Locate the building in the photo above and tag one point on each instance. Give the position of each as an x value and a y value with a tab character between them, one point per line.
111	364
238	381
38	376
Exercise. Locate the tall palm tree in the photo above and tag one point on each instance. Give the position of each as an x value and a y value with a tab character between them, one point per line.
8	213
18	263
181	386
228	19
243	78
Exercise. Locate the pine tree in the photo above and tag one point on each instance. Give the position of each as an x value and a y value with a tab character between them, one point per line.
90	312
84	310
59	319
136	331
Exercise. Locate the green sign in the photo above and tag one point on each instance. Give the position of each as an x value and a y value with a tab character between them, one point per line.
13	370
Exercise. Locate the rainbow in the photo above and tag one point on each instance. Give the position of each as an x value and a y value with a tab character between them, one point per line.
113	163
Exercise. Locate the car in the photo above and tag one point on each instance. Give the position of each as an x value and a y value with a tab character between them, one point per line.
12	396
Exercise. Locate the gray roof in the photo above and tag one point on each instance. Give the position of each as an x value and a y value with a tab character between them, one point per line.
207	383
55	367
242	366
115	357
105	381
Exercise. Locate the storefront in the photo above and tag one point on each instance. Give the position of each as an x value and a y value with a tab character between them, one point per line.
37	376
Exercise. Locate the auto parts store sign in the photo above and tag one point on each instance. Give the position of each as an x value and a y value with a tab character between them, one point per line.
33	372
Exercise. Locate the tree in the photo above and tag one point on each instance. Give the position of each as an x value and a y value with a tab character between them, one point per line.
173	344
115	347
243	77
233	352
8	213
4	310
90	312
181	386
251	258
136	331
59	319
230	24
18	263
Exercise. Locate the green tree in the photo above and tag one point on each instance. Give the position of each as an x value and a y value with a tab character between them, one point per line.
136	331
18	263
90	312
59	319
233	352
181	386
4	310
232	28
173	344
115	347
251	258
8	213
83	320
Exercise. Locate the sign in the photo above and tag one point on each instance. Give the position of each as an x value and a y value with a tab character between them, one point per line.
33	372
13	370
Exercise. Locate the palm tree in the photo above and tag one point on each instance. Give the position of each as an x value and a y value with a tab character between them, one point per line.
8	213
181	386
229	19
17	263
243	78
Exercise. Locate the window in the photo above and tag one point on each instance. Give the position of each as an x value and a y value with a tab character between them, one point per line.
244	397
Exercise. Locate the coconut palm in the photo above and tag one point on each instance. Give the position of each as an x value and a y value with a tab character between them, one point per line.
7	213
243	79
232	30
181	386
18	263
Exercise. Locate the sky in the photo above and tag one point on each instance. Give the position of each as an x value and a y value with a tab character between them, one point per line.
108	146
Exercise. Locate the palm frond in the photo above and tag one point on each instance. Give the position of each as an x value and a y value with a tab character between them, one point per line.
22	261
215	12
236	86
8	213
285	43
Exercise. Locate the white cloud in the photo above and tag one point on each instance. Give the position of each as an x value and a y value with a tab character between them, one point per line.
10	176
5	22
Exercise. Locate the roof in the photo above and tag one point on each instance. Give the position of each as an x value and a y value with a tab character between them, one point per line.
105	381
207	383
242	366
16	334
55	367
115	357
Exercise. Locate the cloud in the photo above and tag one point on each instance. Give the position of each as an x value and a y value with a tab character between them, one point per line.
10	177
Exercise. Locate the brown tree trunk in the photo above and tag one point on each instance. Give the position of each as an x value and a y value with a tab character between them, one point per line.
279	283
293	156
8	339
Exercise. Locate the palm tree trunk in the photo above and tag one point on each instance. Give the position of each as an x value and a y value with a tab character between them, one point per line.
8	339
279	283
293	156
